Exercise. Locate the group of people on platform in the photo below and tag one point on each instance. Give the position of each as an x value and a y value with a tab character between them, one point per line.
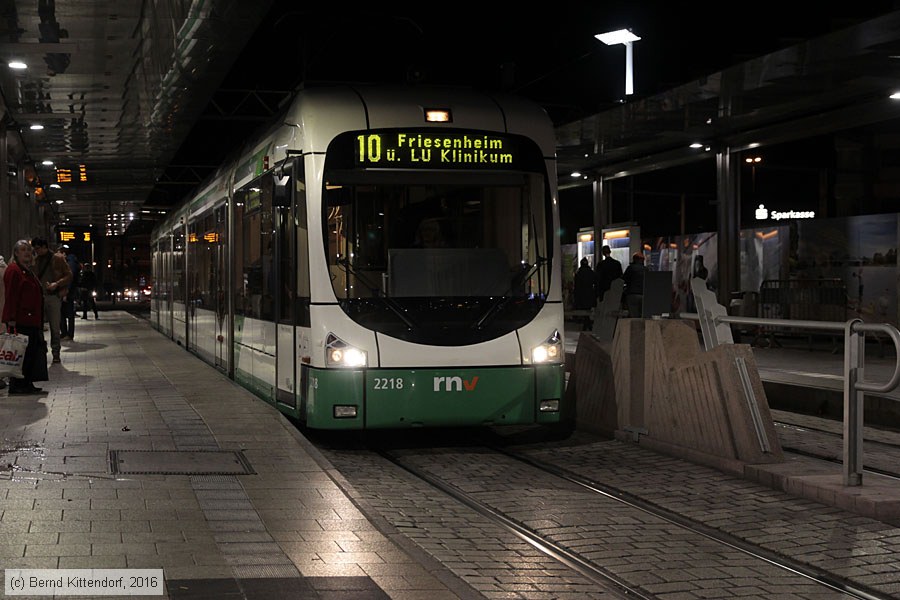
40	286
591	285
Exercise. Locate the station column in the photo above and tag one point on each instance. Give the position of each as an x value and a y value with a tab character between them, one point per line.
729	224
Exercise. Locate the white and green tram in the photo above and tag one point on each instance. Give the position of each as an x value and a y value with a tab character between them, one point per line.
381	257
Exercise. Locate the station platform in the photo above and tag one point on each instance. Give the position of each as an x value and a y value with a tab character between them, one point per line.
803	383
139	455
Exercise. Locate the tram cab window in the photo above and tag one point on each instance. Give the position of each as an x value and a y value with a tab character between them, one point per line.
454	243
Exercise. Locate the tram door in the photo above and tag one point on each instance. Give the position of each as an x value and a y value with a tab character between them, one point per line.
285	257
165	284
179	297
223	333
193	275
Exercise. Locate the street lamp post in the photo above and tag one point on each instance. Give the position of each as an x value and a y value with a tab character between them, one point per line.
627	39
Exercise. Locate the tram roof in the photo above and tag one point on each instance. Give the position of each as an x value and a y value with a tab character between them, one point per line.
119	88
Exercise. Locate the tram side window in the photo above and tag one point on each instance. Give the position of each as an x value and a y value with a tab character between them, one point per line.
201	244
154	262
178	268
165	283
255	288
300	218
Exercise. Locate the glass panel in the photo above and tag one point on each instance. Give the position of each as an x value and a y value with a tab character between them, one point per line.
254	250
285	263
241	293
428	257
302	234
178	284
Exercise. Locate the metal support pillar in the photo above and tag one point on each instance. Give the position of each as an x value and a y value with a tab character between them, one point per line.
602	216
729	225
854	365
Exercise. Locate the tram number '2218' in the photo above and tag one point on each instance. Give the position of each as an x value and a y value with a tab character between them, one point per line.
388	383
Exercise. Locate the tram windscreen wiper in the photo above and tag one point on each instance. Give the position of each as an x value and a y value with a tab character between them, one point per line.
377	293
518	280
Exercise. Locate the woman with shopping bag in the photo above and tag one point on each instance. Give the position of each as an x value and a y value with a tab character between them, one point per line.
23	314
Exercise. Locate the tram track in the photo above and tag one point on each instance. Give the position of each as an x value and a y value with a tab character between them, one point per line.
572	560
777	560
581	543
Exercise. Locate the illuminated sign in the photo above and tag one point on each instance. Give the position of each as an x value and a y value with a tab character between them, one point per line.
435	148
438	148
192	237
763	213
87	236
66	236
211	237
66	176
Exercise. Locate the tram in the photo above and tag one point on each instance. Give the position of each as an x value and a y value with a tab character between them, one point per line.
380	257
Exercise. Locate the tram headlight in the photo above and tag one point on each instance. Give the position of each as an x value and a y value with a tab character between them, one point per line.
550	351
339	353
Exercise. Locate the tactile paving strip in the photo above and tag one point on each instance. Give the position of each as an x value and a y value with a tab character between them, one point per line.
179	462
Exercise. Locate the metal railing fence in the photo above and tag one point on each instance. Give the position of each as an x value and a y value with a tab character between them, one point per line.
715	327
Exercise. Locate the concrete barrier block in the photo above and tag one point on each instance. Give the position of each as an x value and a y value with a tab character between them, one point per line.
628	372
718	405
595	394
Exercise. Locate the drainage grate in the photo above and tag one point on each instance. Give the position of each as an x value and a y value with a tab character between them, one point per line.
175	462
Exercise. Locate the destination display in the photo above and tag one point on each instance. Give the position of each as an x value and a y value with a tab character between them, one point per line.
441	149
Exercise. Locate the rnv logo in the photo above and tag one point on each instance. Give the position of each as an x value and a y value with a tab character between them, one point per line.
454	384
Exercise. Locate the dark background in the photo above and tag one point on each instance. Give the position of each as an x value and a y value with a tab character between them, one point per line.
544	52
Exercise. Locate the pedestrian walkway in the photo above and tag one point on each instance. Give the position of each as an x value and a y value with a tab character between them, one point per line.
141	456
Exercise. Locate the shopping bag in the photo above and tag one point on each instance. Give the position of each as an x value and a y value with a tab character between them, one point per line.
12	354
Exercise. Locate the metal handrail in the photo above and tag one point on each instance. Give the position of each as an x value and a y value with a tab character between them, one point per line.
854	331
856	325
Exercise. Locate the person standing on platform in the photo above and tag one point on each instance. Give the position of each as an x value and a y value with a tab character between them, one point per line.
585	286
609	270
67	319
634	286
54	274
23	313
87	283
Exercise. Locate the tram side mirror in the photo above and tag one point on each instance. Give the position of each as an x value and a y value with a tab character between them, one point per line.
281	195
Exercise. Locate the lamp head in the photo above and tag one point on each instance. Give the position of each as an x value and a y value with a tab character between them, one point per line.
620	36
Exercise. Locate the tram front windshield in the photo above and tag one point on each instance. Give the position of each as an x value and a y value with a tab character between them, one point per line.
439	257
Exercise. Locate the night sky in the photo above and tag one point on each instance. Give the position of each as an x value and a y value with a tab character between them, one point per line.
550	57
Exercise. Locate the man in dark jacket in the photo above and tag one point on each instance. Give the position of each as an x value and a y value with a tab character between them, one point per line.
585	286
608	270
67	320
88	282
55	276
